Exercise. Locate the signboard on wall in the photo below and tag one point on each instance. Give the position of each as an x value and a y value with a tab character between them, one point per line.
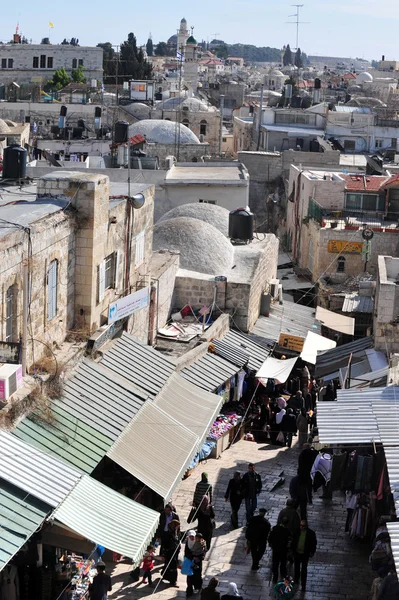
343	247
142	90
128	305
291	342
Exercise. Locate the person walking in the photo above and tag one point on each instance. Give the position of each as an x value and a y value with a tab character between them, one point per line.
279	540
304	546
232	592
288	426
306	459
101	584
302	425
203	488
251	488
171	550
299	495
257	533
296	402
167	516
148	565
210	592
194	550
206	520
291	514
234	494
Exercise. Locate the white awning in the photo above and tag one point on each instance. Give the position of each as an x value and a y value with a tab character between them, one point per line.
315	343
273	368
335	321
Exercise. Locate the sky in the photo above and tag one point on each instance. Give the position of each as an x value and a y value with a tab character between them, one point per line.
348	28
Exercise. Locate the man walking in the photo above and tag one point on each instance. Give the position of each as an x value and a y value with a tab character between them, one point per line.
304	546
257	532
251	488
167	516
279	540
101	585
291	514
203	488
234	494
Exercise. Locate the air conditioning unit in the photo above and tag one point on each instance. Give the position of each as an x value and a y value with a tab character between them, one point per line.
170	161
274	283
10	380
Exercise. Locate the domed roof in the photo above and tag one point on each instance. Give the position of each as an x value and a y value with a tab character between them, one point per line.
214	215
277	73
202	247
364	78
191	40
138	109
183	20
162	132
193	104
4	128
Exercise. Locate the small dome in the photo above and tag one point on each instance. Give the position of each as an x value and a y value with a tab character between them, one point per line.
163	132
4	128
183	20
138	109
202	247
364	78
277	73
191	40
214	215
180	102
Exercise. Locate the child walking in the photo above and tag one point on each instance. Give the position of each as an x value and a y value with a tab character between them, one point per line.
148	565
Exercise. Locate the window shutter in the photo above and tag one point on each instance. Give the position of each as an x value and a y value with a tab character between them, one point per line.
52	290
117	258
139	255
101	281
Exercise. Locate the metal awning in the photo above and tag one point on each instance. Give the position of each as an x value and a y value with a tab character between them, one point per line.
191	406
335	321
209	372
393	530
156	449
331	360
243	343
230	352
106	517
392	458
289	317
43	476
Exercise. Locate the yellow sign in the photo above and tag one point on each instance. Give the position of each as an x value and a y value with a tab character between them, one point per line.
291	342
343	247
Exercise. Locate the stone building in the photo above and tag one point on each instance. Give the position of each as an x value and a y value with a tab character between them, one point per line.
13	133
73	234
37	63
386	314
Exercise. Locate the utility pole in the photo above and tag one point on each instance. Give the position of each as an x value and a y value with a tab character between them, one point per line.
297	22
260	116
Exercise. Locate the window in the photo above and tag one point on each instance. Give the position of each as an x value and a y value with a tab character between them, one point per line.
4	63
379	143
186	122
341	264
80	62
224	139
207	201
203	127
107	275
35	62
350	145
50	62
42	61
11	314
74	63
394	143
10	63
365	202
52	284
140	247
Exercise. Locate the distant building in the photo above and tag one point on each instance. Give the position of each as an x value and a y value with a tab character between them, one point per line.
386	315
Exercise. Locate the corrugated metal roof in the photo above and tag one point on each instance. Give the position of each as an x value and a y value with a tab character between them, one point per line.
393	529
20	516
230	352
358	304
45	477
392	458
66	437
191	406
105	517
143	366
331	360
209	372
289	317
101	398
257	353
168	449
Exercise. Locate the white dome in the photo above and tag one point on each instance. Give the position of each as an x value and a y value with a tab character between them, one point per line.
138	109
163	132
277	73
364	78
193	104
214	215
202	247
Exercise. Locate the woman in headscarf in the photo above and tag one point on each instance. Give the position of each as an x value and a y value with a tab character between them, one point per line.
232	593
195	550
302	424
205	518
171	552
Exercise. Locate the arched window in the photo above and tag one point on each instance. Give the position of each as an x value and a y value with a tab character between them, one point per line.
341	264
186	122
203	127
52	290
12	314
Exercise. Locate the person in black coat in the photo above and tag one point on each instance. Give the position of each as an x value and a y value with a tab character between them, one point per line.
167	515
234	494
251	488
288	426
257	533
304	546
206	521
279	540
305	463
171	553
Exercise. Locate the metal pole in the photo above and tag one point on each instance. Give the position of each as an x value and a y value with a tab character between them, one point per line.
25	314
260	115
221	123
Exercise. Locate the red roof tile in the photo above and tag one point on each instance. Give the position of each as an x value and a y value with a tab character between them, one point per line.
137	139
364	183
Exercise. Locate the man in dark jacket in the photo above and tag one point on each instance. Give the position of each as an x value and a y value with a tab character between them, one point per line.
288	426
291	514
296	402
279	540
304	546
234	494
257	532
167	515
251	488
98	590
306	459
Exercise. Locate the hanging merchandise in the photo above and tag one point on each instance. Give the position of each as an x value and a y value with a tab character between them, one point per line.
321	470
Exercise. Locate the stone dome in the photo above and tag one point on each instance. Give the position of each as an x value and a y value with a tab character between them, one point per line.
163	132
138	109
4	128
277	73
214	215
202	247
193	104
183	20
364	78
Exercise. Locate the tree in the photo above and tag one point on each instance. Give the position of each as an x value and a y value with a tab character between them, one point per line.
60	79
287	58
132	62
149	47
109	61
161	49
222	51
78	75
298	61
45	40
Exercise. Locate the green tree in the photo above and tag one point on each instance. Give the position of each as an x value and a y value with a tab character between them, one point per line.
298	61
161	49
109	61
60	79
78	75
287	58
149	47
132	62
222	51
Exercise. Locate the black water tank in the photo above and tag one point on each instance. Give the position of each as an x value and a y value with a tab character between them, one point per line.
121	131
14	162
241	225
314	146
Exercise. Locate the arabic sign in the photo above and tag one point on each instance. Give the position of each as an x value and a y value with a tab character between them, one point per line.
9	353
128	305
291	342
343	247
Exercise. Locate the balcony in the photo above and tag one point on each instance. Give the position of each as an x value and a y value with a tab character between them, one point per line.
350	219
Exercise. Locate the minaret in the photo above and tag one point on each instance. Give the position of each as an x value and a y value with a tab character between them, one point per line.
182	35
191	62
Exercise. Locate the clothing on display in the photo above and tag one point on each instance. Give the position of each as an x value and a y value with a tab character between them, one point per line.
9	583
223	424
321	470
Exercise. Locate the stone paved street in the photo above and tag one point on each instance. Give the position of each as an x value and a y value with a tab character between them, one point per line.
338	571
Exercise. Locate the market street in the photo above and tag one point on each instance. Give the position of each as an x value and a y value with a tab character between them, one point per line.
339	569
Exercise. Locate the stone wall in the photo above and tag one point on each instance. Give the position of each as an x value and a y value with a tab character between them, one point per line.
164	267
386	326
187	152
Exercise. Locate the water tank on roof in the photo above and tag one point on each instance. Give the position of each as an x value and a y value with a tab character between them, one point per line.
14	162
121	132
241	226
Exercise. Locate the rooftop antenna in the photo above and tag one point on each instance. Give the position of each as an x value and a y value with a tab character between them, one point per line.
297	22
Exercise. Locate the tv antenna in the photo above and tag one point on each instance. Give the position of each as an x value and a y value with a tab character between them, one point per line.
297	22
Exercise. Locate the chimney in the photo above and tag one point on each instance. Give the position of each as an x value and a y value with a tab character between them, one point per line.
383	57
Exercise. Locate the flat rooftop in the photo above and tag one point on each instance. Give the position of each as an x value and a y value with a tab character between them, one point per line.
207	173
388	267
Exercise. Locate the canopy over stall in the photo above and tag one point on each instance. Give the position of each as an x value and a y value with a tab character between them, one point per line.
273	368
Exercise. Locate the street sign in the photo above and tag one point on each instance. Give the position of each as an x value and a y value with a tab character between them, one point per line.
291	342
128	305
367	234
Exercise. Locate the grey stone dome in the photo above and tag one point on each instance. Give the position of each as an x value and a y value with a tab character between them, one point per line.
214	215
163	132
138	109
182	102
202	247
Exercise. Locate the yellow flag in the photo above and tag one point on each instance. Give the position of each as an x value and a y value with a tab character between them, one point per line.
50	24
